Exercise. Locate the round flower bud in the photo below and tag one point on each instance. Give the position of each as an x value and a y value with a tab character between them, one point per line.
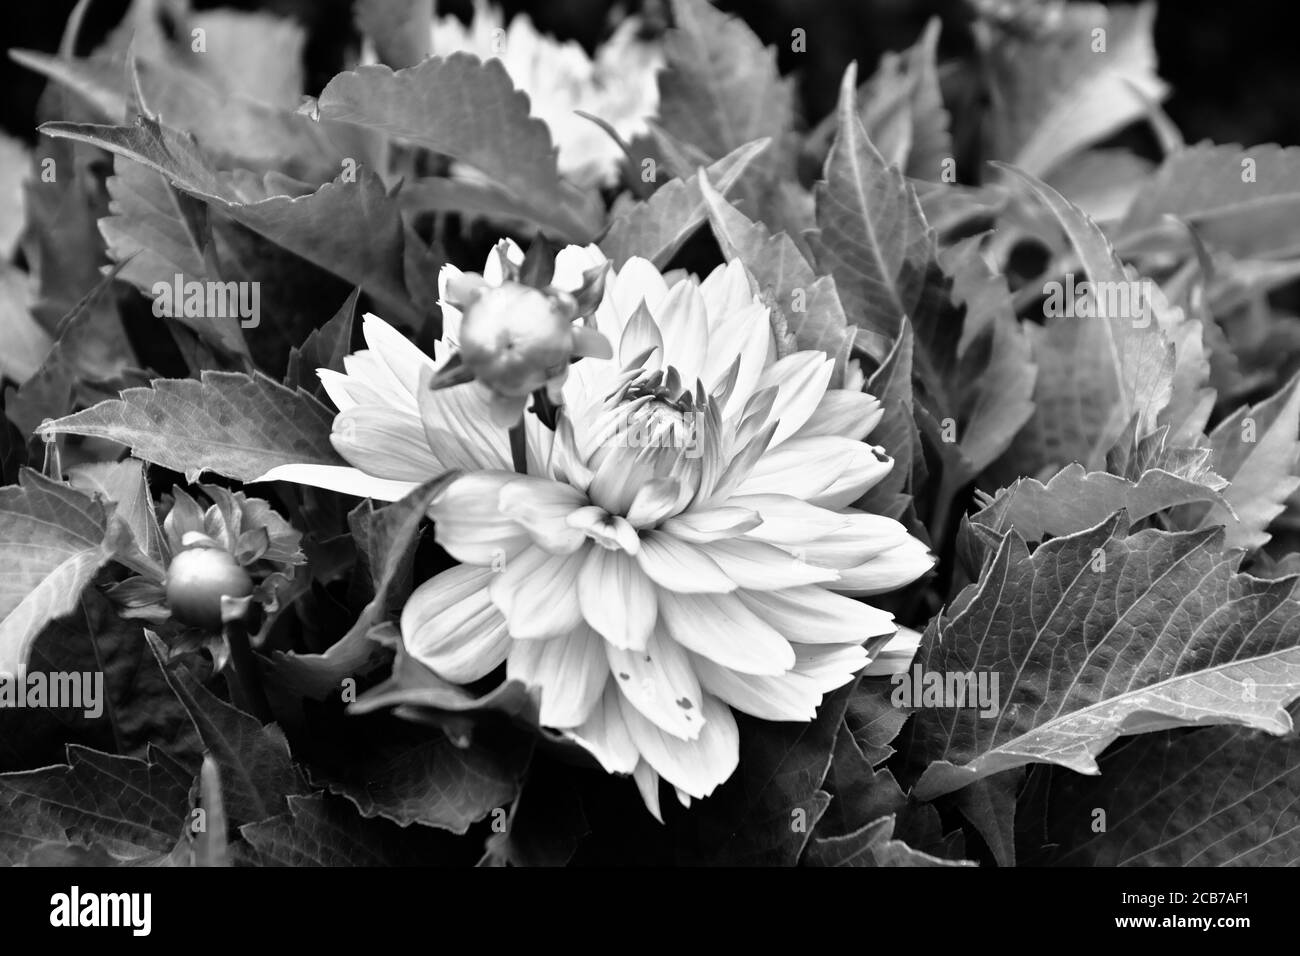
515	338
197	578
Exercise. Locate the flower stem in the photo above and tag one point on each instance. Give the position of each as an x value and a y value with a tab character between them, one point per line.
519	448
243	676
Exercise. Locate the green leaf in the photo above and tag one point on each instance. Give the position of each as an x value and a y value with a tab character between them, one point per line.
1099	634
1076	499
230	423
872	235
720	88
55	538
785	278
132	810
655	228
1221	796
256	770
1053	92
469	110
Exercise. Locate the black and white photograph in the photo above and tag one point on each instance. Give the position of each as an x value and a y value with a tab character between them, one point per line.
650	433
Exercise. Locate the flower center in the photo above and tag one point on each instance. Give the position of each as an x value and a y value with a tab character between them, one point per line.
652	428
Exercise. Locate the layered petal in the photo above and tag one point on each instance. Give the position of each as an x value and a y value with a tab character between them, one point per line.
450	625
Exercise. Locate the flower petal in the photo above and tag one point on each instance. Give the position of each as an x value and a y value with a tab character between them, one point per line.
604	733
542	507
468	522
824	470
685	326
696	766
458	426
896	656
402	356
787	520
340	478
570	671
660	682
385	442
899	566
538	593
677	566
450	625
617	598
788	696
724	630
756	564
712	524
647	781
844	413
801	381
813	615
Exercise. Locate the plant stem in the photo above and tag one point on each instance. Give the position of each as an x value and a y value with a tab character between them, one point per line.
243	676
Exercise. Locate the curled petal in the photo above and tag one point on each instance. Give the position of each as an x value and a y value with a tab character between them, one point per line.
450	625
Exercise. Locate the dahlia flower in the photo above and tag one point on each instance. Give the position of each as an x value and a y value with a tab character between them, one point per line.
682	544
561	79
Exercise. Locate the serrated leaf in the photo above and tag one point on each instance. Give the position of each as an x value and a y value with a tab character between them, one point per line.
1257	449
748	820
1100	634
387	547
304	224
432	781
256	770
324	347
1075	499
229	423
1054	91
132	810
469	110
720	87
872	235
655	228
55	538
783	275
321	830
1243	200
891	383
873	845
1221	796
1096	374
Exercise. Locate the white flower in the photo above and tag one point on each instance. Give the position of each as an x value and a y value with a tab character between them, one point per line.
560	79
683	542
